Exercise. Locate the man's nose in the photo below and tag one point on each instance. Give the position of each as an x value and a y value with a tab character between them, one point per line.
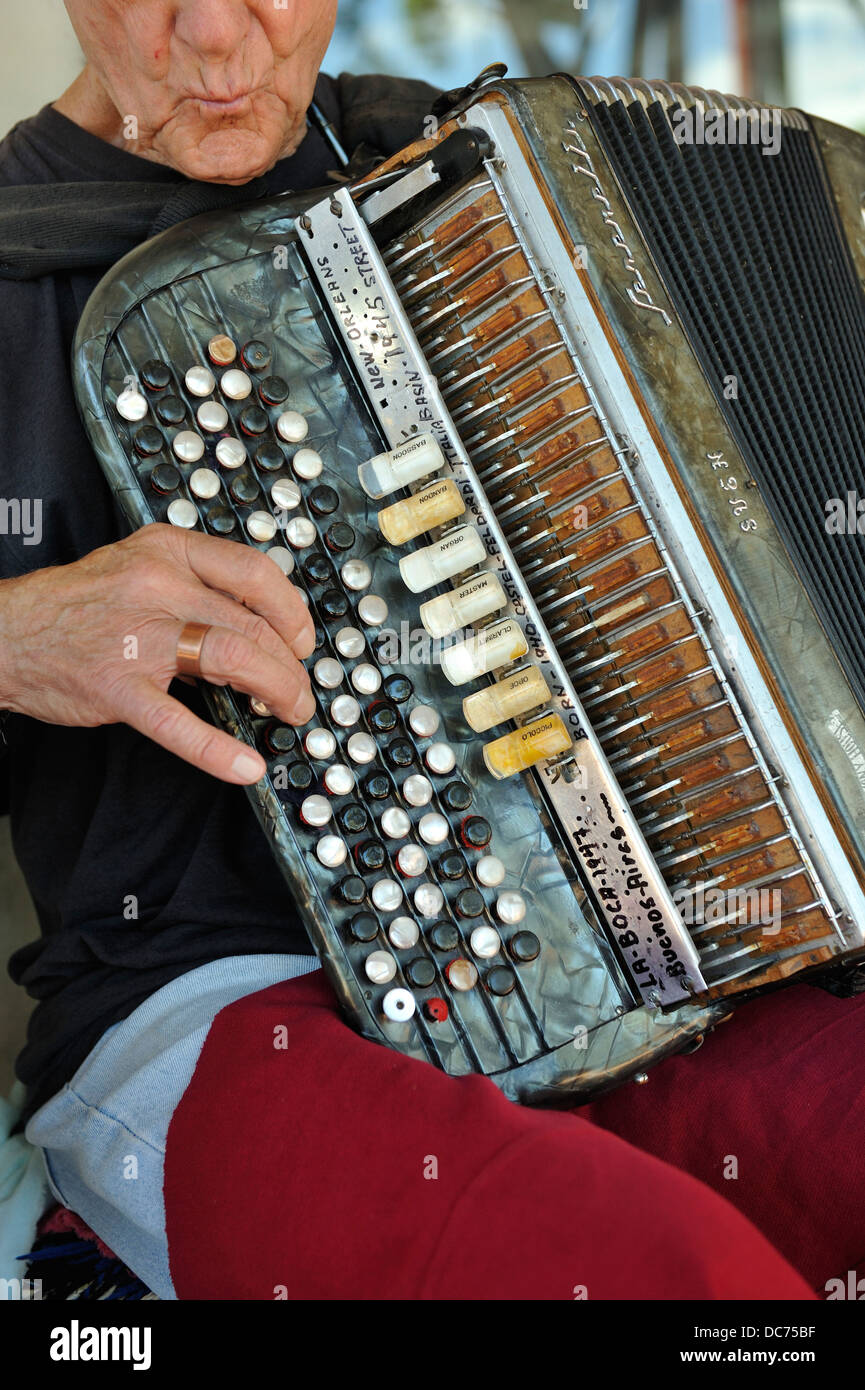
212	28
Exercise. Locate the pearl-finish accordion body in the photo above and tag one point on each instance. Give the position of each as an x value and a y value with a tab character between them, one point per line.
558	420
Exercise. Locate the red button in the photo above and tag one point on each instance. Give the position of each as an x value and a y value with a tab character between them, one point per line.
436	1010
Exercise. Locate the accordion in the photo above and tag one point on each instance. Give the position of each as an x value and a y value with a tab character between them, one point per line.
557	419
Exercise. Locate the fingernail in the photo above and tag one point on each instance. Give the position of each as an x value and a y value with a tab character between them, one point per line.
305	708
248	767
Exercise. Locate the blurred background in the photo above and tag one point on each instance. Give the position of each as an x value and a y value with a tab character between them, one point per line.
808	53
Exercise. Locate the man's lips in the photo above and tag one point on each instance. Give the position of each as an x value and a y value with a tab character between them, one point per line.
228	107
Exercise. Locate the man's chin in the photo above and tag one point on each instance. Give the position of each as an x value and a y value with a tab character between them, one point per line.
231	156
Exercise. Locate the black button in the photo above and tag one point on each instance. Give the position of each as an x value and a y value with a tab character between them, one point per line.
383	718
253	420
255	355
147	441
371	856
377	786
451	866
364	927
323	500
524	947
221	521
155	375
475	832
299	776
333	605
171	410
420	972
500	980
352	890
400	753
244	488
269	458
444	936
273	390
339	536
469	903
280	738
399	689
457	796
353	818
164	478
317	568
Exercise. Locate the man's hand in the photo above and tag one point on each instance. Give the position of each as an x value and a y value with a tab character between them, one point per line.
95	642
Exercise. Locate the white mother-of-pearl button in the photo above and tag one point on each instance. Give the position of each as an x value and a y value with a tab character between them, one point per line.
331	851
403	933
282	557
261	526
462	974
398	1004
366	678
307	464
433	828
412	860
485	942
386	895
258	707
316	810
319	743
204	482
345	711
231	452
200	381
212	416
356	575
349	641
424	721
188	446
285	494
510	907
428	900
131	405
440	758
372	610
339	779
292	427
380	967
395	824
490	870
300	532
328	672
235	384
182	512
417	790
361	748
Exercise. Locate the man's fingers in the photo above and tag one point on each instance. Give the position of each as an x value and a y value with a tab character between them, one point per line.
256	582
169	723
229	657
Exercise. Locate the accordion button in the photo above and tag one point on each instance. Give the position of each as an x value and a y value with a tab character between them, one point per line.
261	526
255	355
424	721
420	972
362	748
417	790
395	824
319	744
458	550
282	557
366	678
370	856
542	738
457	796
432	506
331	851
440	759
477	597
524	947
245	490
292	427
235	384
131	405
372	610
155	375
485	942
428	900
510	908
436	1010
339	536
356	574
364	927
147	441
490	871
333	605
352	890
345	711
377	786
273	390
353	819
444	936
285	494
221	350
259	708
183	513
462	974
171	410
339	779
475	832
349	642
199	381
452	867
299	777
212	417
317	569
496	645
323	500
501	980
380	967
253	420
164	478
469	903
382	717
315	810
204	482
188	446
400	753
399	689
300	532
403	933
386	895
307	464
412	860
398	1005
230	452
280	738
398	467
270	458
328	672
433	828
221	521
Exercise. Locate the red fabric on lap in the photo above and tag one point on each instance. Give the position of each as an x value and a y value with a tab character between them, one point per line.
303	1168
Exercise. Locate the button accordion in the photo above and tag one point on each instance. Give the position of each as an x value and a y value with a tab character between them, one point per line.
557	420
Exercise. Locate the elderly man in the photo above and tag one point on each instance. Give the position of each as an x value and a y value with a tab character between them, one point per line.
213	1163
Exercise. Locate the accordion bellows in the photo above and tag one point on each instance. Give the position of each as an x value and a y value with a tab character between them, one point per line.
558	420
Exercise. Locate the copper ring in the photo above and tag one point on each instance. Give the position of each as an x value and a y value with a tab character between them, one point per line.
189	645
